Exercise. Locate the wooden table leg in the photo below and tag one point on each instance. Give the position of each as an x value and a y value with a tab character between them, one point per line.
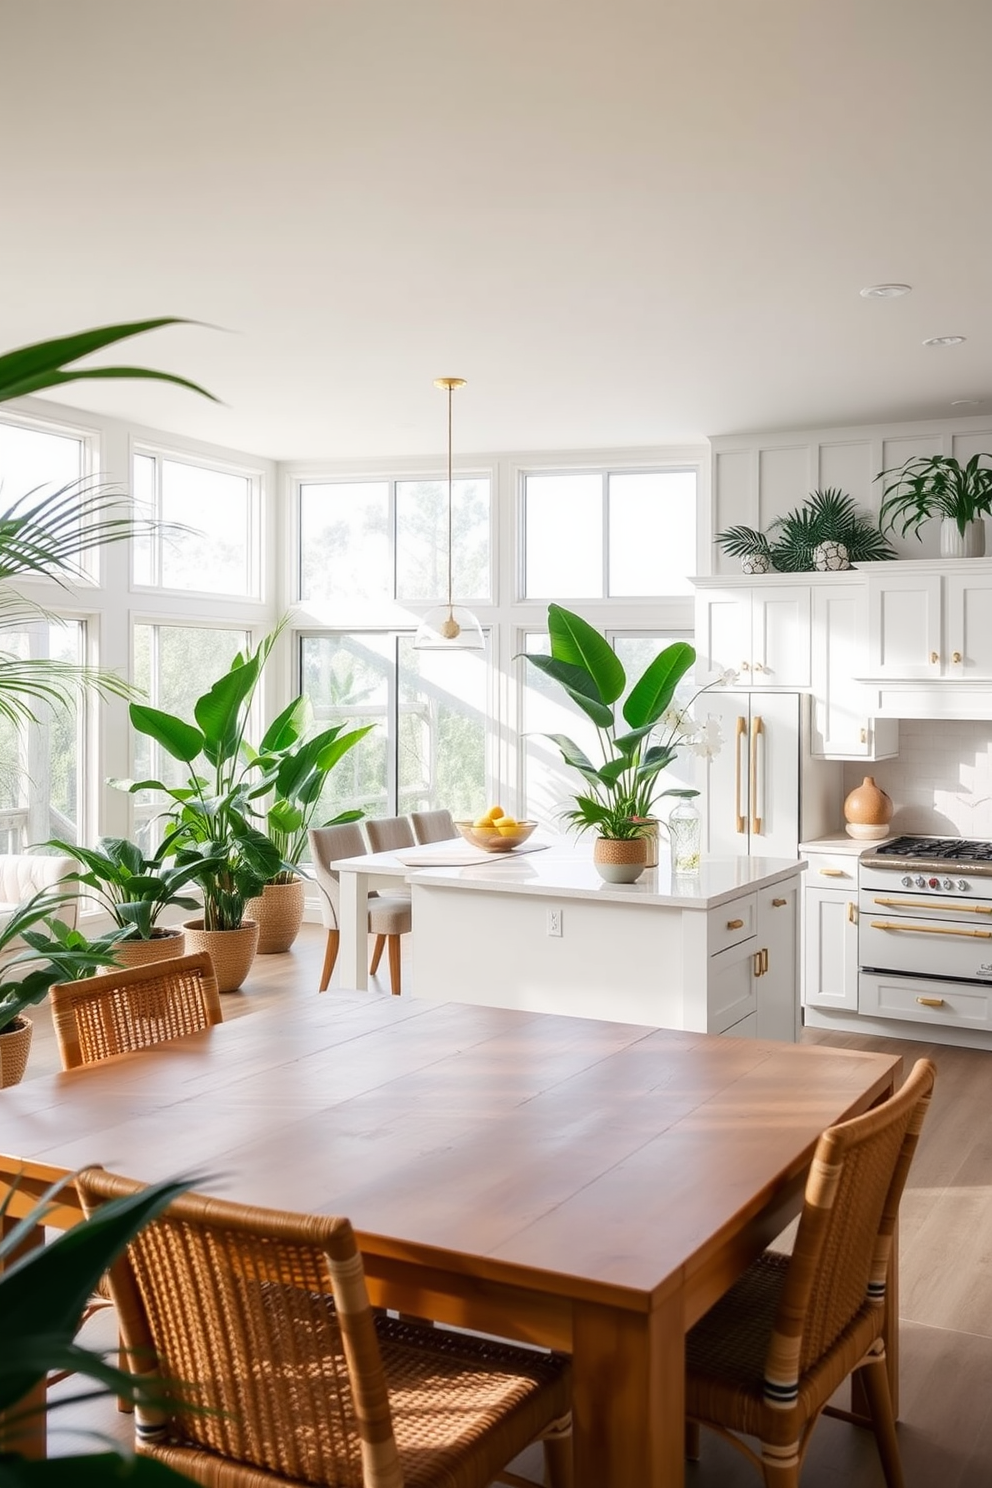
629	1396
353	955
28	1437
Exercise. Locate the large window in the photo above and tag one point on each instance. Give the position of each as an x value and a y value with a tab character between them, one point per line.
609	534
430	709
41	760
173	665
379	540
209	547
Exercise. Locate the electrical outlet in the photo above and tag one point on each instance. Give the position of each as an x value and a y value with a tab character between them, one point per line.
554	922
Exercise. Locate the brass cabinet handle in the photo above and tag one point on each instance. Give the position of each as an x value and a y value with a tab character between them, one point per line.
756	963
833	872
735	924
745	666
956	657
763	953
930	1001
741	824
852	913
864	736
931	929
934	658
757	729
779	903
758	667
915	904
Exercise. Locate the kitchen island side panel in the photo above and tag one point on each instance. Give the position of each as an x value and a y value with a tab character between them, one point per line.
633	963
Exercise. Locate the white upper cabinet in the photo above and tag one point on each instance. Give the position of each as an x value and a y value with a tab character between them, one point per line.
930	622
759	632
844	725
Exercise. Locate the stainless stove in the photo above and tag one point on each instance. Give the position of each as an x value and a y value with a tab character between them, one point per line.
929	865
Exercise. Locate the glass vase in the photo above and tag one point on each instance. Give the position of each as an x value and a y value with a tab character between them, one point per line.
684	834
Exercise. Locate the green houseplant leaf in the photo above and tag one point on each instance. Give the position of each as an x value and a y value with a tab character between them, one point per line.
29	369
575	642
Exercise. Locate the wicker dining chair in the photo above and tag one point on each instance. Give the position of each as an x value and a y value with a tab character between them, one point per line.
389	833
433	826
390	915
253	1330
124	1010
765	1360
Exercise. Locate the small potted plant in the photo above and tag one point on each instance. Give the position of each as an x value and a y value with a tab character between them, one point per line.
932	486
54	952
623	789
295	768
134	890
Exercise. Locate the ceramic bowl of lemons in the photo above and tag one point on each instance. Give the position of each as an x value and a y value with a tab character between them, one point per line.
499	834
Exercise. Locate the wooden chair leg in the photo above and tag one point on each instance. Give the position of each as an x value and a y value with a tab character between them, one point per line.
377	949
874	1377
330	956
558	1472
394	964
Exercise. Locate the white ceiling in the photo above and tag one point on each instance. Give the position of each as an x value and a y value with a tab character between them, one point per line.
625	222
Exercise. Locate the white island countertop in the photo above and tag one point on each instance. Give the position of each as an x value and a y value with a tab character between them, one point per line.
565	870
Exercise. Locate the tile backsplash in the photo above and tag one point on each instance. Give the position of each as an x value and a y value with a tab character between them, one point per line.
942	781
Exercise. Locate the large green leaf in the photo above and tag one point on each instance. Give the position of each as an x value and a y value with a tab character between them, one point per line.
219	712
41	365
180	739
574	756
652	693
290	726
573	640
579	685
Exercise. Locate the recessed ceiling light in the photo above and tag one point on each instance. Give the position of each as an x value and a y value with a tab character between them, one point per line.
944	340
965	402
885	291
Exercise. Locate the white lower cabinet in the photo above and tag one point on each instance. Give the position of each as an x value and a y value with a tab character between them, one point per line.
830	920
777	966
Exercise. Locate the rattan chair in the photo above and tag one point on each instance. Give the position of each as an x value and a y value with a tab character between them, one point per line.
254	1331
389	833
766	1359
390	915
125	1010
433	826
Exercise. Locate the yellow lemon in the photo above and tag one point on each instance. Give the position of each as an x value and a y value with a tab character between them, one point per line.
507	824
483	821
495	812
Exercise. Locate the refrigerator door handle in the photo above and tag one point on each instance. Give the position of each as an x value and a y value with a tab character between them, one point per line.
740	822
757	729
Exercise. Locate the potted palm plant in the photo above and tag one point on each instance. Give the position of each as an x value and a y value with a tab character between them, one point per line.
53	952
135	890
623	789
295	768
932	486
211	833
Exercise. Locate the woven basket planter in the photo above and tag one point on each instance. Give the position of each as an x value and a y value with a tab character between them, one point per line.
231	951
620	860
165	943
278	912
15	1045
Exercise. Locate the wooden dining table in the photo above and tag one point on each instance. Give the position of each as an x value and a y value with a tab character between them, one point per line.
575	1184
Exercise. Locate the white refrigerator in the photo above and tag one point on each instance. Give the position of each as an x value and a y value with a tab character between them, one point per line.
762	794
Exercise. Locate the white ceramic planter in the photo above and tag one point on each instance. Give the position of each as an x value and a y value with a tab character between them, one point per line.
969	544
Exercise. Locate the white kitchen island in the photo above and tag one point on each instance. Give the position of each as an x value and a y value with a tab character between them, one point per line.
716	952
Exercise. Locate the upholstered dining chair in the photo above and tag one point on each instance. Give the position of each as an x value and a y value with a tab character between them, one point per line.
389	833
254	1330
390	915
432	826
129	1009
764	1361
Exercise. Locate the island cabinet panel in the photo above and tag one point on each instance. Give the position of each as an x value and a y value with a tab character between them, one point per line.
693	965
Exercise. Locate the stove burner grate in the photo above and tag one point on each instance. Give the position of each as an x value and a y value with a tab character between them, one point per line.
941	849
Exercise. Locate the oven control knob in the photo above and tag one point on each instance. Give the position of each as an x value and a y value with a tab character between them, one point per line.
921	882
948	883
934	883
963	884
907	882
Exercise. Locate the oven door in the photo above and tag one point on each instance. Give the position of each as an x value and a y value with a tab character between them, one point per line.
925	936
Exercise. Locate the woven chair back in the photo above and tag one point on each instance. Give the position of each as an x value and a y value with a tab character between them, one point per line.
327	845
433	826
125	1010
388	833
256	1326
844	1240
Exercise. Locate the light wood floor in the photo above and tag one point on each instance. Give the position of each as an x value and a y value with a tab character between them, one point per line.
946	1273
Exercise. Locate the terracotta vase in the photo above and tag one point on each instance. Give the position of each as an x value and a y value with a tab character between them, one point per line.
15	1045
620	860
868	811
278	912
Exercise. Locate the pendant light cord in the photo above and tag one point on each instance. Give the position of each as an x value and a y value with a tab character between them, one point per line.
450	558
